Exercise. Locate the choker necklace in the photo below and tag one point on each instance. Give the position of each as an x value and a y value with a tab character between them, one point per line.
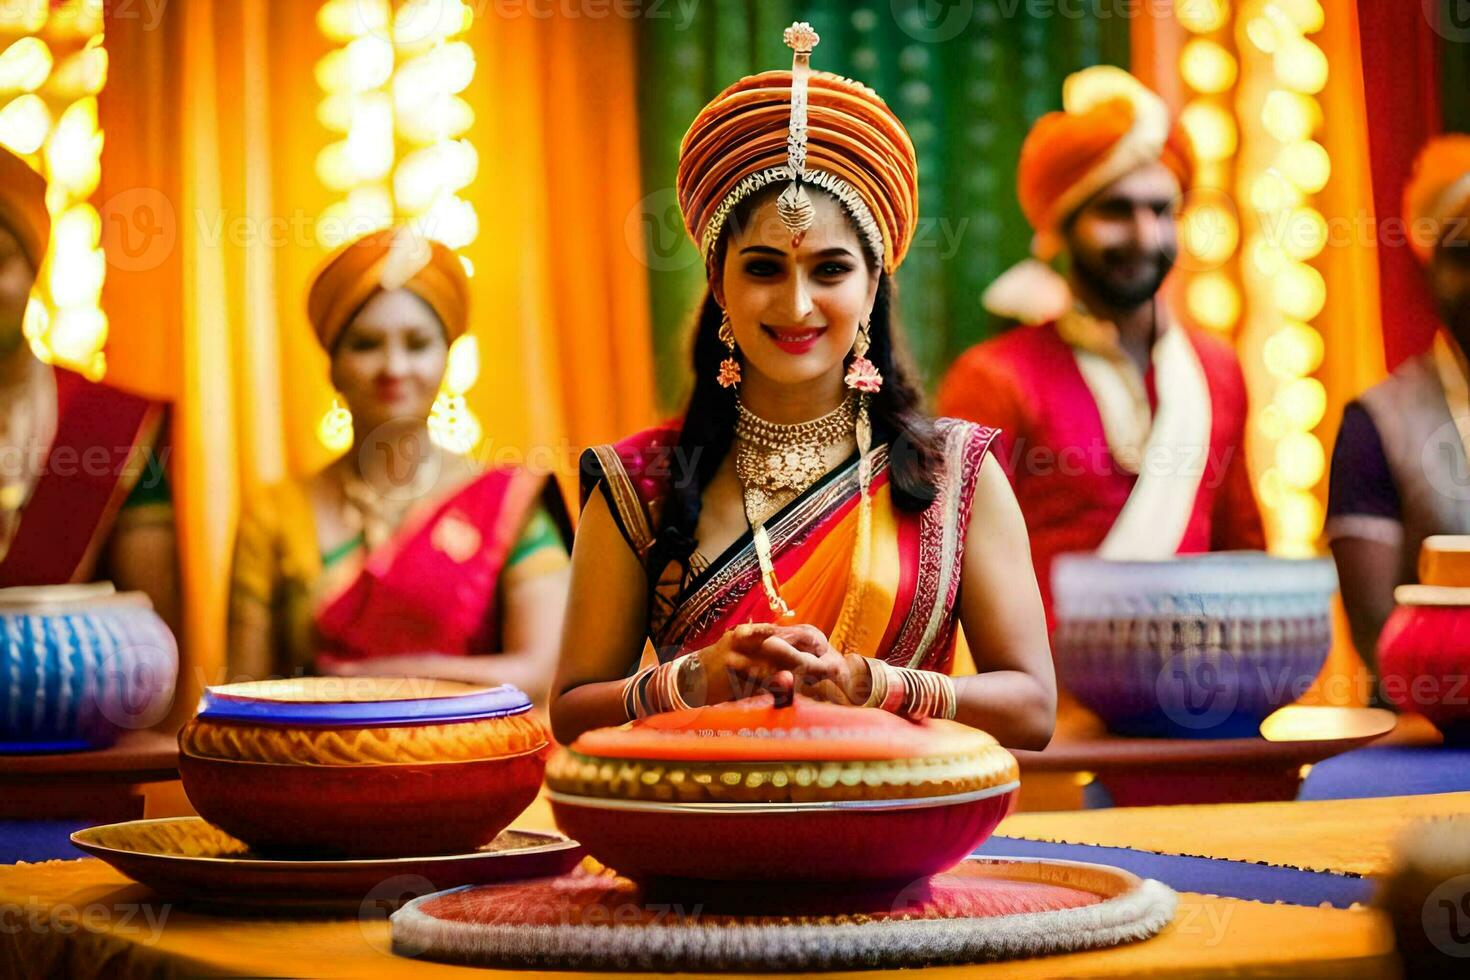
775	463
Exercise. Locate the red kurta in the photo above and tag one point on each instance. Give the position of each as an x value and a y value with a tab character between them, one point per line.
1026	383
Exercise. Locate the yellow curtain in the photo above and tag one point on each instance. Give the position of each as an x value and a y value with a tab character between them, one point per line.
210	201
1351	330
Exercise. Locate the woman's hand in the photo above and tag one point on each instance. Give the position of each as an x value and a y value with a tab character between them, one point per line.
745	660
841	678
784	660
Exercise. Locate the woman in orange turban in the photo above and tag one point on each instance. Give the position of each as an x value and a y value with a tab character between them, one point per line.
399	558
805	526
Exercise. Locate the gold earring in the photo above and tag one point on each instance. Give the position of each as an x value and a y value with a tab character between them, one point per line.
863	374
729	367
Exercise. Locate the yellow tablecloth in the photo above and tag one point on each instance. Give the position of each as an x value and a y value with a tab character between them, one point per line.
82	919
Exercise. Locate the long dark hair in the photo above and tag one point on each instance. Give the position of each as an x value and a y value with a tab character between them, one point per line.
708	429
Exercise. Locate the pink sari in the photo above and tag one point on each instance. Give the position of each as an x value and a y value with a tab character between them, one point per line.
434	588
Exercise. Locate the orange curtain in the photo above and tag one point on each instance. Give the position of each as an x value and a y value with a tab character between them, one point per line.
210	202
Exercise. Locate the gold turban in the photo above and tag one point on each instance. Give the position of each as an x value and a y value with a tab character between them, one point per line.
855	148
393	258
1110	125
1438	191
23	206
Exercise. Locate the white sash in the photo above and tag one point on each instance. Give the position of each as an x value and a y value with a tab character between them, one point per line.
1169	452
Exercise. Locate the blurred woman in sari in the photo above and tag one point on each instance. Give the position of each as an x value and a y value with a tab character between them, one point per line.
805	527
84	492
399	558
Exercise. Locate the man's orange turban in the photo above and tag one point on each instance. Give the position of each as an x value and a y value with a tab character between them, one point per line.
855	148
23	206
1438	191
393	258
1110	124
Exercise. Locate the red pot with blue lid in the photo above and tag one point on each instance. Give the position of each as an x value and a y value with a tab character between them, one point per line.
362	766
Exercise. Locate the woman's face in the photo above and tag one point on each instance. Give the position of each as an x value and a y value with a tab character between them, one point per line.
795	311
390	360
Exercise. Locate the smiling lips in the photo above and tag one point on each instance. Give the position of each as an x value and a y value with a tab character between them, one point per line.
795	341
392	391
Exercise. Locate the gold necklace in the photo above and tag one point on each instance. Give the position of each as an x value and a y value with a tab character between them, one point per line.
366	508
775	463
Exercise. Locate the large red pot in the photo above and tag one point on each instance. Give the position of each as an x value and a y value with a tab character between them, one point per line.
811	791
328	766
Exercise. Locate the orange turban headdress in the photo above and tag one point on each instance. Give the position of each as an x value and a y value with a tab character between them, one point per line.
23	206
1110	125
1438	191
801	128
393	258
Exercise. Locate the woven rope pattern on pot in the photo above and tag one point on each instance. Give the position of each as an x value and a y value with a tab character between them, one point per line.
779	782
460	742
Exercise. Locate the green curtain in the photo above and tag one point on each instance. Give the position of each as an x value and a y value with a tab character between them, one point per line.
967	77
1454	65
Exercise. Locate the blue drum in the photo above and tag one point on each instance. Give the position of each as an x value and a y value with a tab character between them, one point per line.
79	665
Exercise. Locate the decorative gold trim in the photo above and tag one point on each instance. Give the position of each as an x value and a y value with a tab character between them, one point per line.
628	504
846	194
780	782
